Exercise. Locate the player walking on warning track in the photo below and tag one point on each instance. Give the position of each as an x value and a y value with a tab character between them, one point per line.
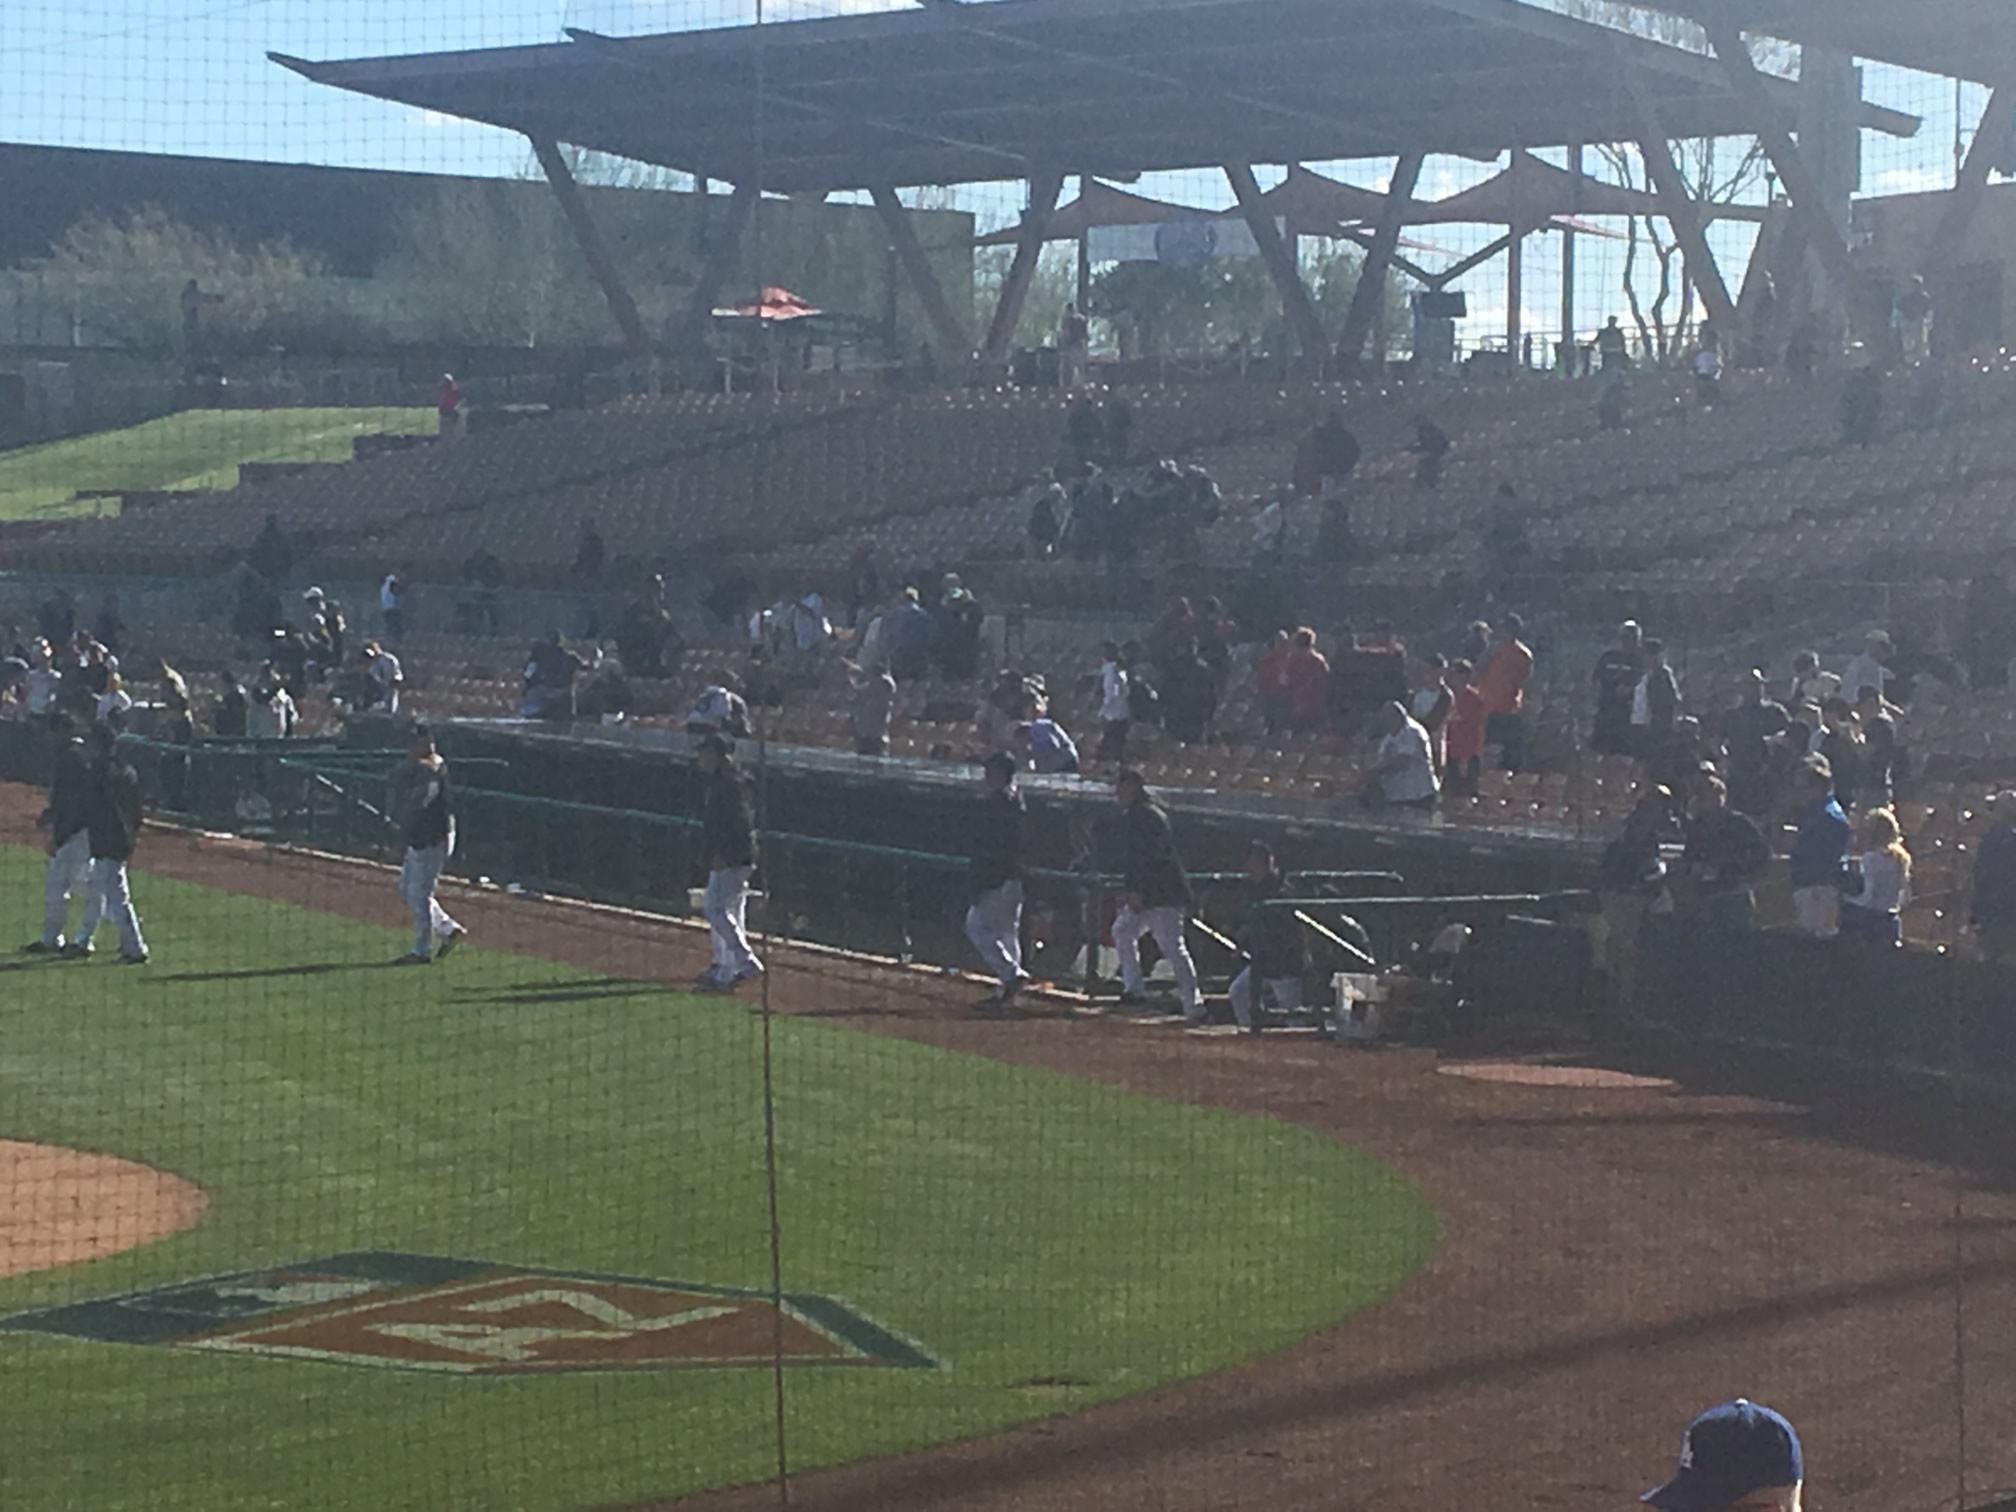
422	803
728	839
994	922
69	839
112	821
1157	898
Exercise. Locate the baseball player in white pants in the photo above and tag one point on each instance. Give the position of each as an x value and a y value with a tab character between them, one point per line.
994	922
113	815
728	839
422	803
1157	900
69	841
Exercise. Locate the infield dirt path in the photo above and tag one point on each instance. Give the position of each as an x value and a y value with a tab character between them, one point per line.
1611	1260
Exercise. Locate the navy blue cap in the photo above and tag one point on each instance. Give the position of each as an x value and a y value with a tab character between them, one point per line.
1731	1451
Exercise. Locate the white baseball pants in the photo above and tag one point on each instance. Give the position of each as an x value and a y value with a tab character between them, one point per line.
1166	925
419	875
106	895
994	925
1287	995
68	870
726	906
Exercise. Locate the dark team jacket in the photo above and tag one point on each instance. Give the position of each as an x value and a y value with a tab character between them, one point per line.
1725	852
422	804
1273	936
69	793
1150	863
112	811
727	822
997	840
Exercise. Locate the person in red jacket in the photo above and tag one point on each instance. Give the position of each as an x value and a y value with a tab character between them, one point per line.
1502	683
1463	736
1306	676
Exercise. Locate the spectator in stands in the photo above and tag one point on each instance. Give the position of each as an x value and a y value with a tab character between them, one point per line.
1613	347
1046	521
56	618
1476	646
548	681
114	704
1502	684
1464	742
1270	531
1173	633
45	682
1870	668
960	622
1809	684
1052	752
1189	695
1747	732
1403	768
1116	714
1738	1457
270	714
1841	745
719	710
99	667
328	614
1616	678
14	669
1655	703
1305	676
811	631
1270	681
231	715
644	635
383	677
448	407
1156	897
1818	851
1631	883
1882	757
1707	367
109	630
1085	432
1613	406
1326	458
864	584
1214	639
607	697
1074	343
1992	911
1506	549
1430	703
728	841
1272	943
1431	451
392	607
874	705
1914	321
174	687
1873	913
485	574
1725	856
1862	406
908	634
289	657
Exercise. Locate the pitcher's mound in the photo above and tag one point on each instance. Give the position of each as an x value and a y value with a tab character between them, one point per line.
60	1206
1579	1078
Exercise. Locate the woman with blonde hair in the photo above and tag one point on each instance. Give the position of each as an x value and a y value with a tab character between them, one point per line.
1873	914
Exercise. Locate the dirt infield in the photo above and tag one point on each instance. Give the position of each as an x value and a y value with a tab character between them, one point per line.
69	1205
1612	1258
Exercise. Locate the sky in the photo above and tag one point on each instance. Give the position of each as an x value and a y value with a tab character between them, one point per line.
191	76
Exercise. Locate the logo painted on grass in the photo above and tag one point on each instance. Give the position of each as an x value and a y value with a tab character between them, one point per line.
475	1317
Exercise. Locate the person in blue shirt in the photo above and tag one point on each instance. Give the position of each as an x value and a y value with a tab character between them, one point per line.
1993	912
1818	851
1051	749
909	632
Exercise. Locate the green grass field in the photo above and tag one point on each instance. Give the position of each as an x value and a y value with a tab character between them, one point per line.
197	449
1053	1242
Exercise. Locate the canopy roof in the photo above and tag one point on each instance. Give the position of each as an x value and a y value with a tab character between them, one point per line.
1531	190
1966	39
1095	205
962	93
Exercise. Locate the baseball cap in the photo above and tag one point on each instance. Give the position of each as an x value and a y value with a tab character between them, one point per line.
1729	1452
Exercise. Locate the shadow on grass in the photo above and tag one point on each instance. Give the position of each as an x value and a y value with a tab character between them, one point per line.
585	990
263	973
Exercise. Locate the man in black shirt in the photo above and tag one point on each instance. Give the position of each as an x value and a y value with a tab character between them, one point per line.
1156	899
728	841
1275	951
1747	732
422	804
1725	856
1617	672
69	840
994	922
112	820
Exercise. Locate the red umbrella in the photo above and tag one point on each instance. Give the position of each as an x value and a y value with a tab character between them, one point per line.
777	303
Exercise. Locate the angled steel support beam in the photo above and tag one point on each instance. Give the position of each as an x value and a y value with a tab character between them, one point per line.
1370	295
601	267
1043	191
